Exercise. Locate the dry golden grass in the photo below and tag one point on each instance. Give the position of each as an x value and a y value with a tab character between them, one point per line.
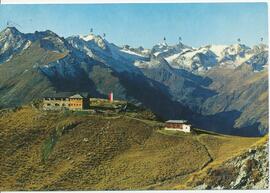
221	148
79	151
105	102
159	159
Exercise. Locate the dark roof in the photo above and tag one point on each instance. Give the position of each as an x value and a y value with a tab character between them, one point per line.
66	94
176	121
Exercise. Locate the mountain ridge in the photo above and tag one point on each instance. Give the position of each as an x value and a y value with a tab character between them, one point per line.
196	91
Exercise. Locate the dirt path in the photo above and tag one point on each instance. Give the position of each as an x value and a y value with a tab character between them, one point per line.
146	121
208	153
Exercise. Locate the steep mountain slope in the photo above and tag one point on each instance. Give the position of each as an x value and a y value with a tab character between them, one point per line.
100	49
51	64
185	87
20	81
11	42
84	151
226	97
216	87
241	90
25	76
226	94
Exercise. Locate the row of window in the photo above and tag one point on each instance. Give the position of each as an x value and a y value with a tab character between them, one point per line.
63	105
75	104
174	125
56	104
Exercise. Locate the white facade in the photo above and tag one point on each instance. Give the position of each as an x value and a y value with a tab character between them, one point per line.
185	128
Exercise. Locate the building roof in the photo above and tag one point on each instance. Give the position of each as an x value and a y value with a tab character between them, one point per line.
76	96
67	95
176	121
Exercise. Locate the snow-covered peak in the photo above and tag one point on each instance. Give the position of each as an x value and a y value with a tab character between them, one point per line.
153	63
217	49
258	61
162	45
131	52
126	58
164	50
140	51
98	48
95	39
205	57
199	59
88	37
260	48
11	41
10	31
222	51
236	49
159	48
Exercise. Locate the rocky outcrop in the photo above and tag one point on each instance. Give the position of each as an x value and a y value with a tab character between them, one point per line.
249	170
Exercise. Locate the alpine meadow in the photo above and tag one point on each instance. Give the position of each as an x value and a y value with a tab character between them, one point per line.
80	112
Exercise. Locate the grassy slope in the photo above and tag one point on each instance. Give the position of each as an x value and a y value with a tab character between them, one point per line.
221	158
79	151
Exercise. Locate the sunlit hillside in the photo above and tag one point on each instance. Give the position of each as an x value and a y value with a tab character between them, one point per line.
42	150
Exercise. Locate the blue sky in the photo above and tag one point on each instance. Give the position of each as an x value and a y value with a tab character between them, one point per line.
147	24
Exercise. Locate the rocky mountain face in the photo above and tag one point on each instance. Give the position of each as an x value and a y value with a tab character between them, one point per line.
240	93
216	87
202	59
120	59
11	41
223	92
51	64
248	170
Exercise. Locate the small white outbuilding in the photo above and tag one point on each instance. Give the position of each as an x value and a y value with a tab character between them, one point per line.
178	125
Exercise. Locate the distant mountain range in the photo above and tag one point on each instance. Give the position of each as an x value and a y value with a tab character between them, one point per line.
223	88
